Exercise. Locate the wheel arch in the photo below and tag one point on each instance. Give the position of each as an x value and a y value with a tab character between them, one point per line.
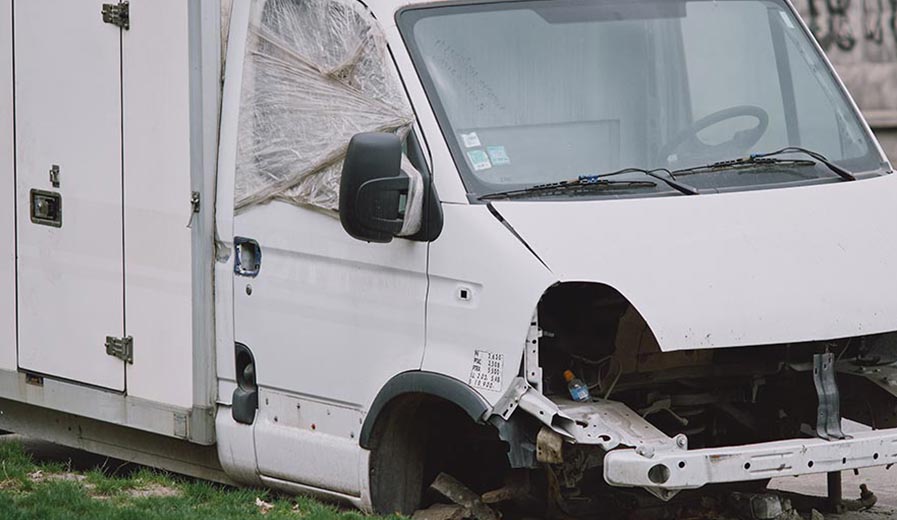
426	383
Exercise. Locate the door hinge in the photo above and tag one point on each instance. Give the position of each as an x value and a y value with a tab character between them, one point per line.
122	348
117	14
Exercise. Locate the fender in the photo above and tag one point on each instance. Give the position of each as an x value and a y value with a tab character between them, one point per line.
429	383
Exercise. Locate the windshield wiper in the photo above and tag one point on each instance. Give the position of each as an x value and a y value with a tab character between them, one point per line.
600	181
769	158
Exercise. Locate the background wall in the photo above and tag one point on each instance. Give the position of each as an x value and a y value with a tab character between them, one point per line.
860	37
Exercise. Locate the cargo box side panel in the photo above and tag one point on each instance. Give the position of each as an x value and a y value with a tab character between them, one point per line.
69	191
156	100
7	196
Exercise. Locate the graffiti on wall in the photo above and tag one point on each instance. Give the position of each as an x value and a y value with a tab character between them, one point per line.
860	37
830	21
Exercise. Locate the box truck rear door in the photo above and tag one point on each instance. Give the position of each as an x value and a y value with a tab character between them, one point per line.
68	123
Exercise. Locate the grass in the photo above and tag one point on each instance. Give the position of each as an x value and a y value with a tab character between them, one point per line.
49	491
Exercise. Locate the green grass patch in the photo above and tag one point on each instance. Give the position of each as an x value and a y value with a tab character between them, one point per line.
32	490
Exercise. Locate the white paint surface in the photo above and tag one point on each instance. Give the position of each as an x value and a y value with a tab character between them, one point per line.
329	316
505	282
309	441
158	294
738	269
7	197
68	113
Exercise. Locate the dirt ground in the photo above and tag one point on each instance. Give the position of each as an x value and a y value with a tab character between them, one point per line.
880	481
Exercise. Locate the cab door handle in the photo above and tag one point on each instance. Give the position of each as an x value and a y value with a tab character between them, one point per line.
248	257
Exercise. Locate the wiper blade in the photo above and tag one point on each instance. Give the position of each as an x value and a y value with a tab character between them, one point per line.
841	172
669	181
770	158
590	182
565	187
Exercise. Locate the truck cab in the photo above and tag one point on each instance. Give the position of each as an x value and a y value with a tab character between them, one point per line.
408	220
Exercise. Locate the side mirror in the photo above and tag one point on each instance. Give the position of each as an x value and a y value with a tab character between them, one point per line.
373	191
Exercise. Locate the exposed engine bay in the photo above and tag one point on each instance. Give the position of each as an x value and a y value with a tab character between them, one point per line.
717	397
659	423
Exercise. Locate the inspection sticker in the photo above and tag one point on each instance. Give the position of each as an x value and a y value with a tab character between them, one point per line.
486	371
479	160
498	155
470	140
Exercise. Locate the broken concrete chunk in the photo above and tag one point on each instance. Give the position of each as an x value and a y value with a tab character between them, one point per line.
440	512
790	515
761	506
516	486
449	487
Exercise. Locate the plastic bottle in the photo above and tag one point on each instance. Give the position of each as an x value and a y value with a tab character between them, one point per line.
578	390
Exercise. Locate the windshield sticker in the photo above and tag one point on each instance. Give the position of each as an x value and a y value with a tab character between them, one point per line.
479	160
498	155
486	370
470	140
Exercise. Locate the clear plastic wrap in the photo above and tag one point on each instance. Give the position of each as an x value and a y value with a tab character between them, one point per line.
317	72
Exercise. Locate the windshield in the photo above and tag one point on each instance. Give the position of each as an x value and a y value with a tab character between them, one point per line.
534	92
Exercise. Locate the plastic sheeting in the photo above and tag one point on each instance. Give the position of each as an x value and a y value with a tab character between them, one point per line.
317	72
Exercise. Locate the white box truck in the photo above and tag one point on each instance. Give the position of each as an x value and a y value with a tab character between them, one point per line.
340	247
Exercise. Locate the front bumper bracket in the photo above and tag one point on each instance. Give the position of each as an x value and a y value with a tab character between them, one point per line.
687	469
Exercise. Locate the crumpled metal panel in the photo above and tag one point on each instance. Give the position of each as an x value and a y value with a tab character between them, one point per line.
610	424
317	72
604	423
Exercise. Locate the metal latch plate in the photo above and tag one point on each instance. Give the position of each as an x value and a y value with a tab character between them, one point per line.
122	348
117	14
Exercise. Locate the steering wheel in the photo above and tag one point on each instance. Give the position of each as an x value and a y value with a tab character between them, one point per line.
687	143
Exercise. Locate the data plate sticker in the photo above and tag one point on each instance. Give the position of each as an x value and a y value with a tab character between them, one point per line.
470	140
486	371
479	160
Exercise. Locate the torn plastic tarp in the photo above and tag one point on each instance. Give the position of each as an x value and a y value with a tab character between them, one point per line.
317	72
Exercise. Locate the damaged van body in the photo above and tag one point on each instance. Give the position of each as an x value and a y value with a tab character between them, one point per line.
409	220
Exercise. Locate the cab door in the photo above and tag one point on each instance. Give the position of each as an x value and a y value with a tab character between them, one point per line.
68	150
329	320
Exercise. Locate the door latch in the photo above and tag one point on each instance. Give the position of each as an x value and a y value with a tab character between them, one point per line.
121	348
